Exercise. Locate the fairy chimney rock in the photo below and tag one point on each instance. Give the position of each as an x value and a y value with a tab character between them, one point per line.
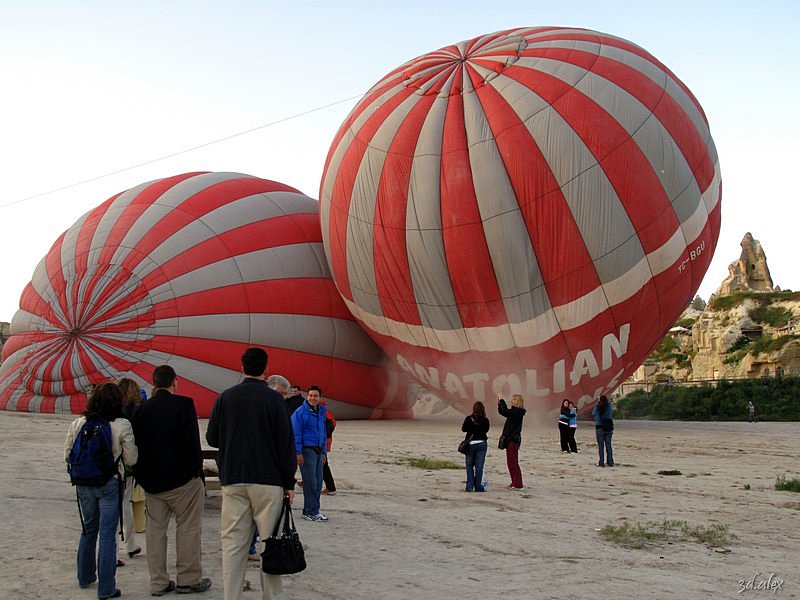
750	272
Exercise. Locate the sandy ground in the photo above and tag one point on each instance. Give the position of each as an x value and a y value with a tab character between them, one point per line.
400	532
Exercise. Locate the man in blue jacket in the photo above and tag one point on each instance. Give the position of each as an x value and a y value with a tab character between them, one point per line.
310	438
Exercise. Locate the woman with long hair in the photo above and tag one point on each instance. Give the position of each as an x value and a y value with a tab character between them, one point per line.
476	426
604	430
131	399
99	504
512	436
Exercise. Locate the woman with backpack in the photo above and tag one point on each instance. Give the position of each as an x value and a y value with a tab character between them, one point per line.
604	430
99	445
476	426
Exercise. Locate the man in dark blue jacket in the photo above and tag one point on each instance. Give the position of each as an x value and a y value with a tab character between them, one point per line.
250	426
310	443
169	469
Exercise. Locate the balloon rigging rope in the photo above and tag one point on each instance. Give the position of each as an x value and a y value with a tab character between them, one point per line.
179	152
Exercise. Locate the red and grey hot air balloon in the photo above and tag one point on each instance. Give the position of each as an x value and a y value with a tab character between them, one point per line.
526	211
190	271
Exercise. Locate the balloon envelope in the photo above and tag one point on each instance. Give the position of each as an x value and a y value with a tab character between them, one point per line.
526	211
190	271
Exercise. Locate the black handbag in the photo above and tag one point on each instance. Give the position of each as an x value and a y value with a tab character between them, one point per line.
463	446
502	442
283	555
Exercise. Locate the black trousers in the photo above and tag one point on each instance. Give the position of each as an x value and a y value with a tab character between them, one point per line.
563	431
327	476
572	445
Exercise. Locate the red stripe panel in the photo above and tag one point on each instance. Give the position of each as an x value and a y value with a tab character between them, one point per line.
475	288
259	235
342	191
293	296
55	277
389	250
131	213
569	272
194	207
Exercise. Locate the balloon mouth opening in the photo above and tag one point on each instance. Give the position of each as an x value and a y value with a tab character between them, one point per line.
461	68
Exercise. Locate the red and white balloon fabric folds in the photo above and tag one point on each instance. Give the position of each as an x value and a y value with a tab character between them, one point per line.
190	271
527	211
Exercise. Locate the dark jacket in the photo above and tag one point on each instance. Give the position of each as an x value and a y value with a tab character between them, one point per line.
478	427
513	426
294	402
309	428
250	426
168	439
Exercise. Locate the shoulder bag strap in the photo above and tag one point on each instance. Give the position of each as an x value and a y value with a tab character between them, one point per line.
288	519
282	517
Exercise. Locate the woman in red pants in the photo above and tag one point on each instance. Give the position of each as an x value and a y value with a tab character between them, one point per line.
511	438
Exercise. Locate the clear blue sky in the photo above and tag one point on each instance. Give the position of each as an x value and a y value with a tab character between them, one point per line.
94	87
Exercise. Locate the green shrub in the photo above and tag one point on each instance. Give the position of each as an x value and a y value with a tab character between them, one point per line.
775	400
771	315
652	533
787	485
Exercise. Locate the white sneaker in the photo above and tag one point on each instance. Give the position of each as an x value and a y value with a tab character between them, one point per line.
319	517
309	517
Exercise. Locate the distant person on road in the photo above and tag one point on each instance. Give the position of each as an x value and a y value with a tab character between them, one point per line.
751	412
511	438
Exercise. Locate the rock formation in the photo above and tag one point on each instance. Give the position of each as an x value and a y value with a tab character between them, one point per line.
755	333
748	273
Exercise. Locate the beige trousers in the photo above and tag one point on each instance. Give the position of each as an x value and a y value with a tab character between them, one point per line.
186	503
243	508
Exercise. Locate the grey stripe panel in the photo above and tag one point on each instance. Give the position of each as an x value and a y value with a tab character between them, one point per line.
62	405
324	336
361	216
297	260
109	219
172	198
41	283
601	219
653	139
515	267
426	254
68	248
250	209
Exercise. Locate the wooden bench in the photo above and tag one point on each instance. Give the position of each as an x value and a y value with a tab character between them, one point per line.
211	472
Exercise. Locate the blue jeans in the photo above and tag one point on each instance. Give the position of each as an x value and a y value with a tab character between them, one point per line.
311	472
100	509
475	459
604	443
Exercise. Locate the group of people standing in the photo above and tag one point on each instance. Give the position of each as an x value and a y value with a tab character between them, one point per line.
260	449
476	427
158	442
